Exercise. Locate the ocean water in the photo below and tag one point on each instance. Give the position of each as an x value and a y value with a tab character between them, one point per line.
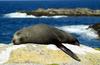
11	20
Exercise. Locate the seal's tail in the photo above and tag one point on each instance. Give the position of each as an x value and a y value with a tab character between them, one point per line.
67	51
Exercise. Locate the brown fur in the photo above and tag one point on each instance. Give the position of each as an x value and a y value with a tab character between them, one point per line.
44	34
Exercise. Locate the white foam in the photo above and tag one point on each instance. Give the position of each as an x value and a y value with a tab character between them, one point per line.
5	54
18	15
59	16
24	15
2	44
82	30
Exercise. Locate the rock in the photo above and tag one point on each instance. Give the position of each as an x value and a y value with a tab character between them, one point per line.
33	54
96	27
97	49
63	11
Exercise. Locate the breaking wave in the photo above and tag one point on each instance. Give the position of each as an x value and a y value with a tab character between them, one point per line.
24	15
82	30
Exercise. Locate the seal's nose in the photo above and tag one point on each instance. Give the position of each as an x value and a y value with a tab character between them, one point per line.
13	41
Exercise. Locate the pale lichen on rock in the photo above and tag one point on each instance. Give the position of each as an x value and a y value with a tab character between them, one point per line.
33	54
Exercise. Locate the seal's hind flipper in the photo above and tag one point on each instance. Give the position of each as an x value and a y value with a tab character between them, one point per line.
67	51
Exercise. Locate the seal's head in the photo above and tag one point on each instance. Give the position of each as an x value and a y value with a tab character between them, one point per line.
17	39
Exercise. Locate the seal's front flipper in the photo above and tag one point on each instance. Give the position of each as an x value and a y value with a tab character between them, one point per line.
67	51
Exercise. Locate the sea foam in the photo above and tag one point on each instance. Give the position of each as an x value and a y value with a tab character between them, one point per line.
81	30
24	15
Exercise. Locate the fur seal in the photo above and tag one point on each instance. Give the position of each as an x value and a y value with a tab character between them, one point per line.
44	34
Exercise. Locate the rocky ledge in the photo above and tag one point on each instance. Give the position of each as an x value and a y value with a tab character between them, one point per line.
96	27
32	54
63	12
